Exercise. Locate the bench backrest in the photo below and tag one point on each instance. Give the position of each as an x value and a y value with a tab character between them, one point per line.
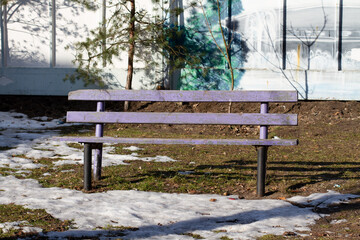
263	118
184	96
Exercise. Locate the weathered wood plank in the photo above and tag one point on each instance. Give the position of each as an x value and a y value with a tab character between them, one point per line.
184	96
254	142
183	118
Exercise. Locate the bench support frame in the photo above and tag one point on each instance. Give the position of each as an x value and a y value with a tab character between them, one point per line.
261	170
262	155
99	132
87	166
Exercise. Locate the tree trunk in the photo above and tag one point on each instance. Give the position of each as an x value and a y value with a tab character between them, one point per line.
131	51
309	59
104	32
4	36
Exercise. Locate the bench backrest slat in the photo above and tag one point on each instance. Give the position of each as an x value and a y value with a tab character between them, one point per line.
183	96
183	118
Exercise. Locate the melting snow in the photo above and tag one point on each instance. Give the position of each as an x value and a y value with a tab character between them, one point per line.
156	215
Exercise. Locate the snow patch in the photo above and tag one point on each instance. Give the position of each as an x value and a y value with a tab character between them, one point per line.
163	215
322	200
133	148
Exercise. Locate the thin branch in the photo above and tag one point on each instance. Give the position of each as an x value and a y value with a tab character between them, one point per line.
14	11
309	40
226	47
274	65
210	31
226	53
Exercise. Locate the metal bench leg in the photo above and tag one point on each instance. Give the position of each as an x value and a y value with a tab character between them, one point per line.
87	166
99	132
261	170
262	155
98	163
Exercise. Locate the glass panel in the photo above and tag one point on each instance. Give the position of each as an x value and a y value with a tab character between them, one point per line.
258	34
351	35
311	34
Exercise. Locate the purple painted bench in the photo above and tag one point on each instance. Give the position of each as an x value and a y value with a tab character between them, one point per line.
99	117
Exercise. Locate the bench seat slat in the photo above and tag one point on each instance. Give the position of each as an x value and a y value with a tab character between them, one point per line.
184	96
255	142
183	118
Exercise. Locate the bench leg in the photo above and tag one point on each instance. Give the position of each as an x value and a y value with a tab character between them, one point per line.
98	163
99	132
261	170
87	166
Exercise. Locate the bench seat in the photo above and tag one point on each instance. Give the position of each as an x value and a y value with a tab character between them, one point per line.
115	140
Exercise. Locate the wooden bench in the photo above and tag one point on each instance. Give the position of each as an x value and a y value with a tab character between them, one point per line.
99	117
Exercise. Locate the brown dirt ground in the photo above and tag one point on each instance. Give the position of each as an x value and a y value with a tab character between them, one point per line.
343	115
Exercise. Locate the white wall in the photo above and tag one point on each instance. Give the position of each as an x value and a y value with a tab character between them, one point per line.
33	64
31	60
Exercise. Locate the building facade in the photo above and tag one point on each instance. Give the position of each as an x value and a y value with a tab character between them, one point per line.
312	46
